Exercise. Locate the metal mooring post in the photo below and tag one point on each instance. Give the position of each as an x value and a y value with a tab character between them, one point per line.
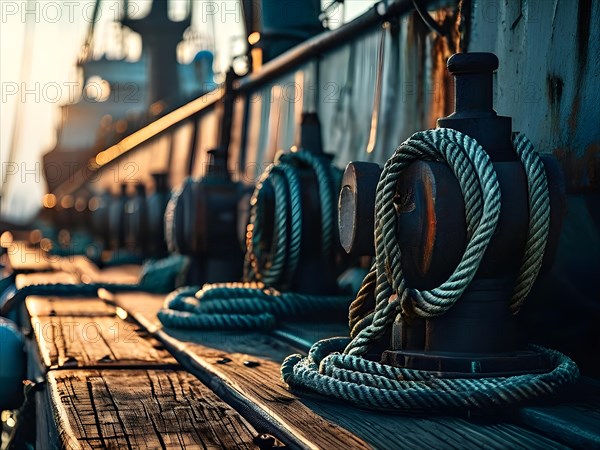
201	222
477	336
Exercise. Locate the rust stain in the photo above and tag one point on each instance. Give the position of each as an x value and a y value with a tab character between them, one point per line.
430	222
416	37
464	25
555	88
572	120
582	173
442	48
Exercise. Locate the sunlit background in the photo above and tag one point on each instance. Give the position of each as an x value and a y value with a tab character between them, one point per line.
40	42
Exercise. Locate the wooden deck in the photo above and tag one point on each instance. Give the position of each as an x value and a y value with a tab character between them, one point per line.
117	379
263	390
109	384
142	409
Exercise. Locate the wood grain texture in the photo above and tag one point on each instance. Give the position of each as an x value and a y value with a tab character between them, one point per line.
76	341
139	304
72	306
145	307
24	258
258	390
575	420
253	383
142	409
30	279
392	430
312	421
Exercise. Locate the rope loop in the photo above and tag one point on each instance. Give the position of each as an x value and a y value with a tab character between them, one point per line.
481	191
276	263
239	306
338	368
369	384
259	303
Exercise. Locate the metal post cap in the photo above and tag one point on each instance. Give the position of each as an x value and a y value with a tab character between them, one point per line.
356	208
472	63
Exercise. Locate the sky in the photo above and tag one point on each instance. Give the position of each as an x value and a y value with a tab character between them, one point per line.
56	29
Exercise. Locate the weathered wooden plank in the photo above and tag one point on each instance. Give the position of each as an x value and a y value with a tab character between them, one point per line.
389	430
578	424
75	341
303	335
72	269
248	382
318	420
23	257
252	387
37	278
122	274
142	409
140	304
315	421
72	306
145	306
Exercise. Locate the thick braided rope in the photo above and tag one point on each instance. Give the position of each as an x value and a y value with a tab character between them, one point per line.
327	193
480	222
373	385
252	305
286	185
240	306
539	220
383	294
479	185
278	266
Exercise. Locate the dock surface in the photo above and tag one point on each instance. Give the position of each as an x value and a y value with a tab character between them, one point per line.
116	378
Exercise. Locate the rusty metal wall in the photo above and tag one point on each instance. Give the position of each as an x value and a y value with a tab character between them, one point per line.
549	82
549	76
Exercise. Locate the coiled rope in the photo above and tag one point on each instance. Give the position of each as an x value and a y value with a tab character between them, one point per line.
258	302
243	306
337	367
276	267
62	290
157	276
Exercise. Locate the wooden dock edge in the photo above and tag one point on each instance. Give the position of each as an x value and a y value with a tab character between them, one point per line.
263	418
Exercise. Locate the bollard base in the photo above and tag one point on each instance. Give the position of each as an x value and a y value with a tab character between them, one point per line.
453	365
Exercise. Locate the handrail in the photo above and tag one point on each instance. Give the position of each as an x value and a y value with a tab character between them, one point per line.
157	127
144	134
315	46
327	40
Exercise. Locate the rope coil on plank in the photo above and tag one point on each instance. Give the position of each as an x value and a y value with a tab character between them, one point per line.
243	306
158	276
258	303
337	367
369	384
62	290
